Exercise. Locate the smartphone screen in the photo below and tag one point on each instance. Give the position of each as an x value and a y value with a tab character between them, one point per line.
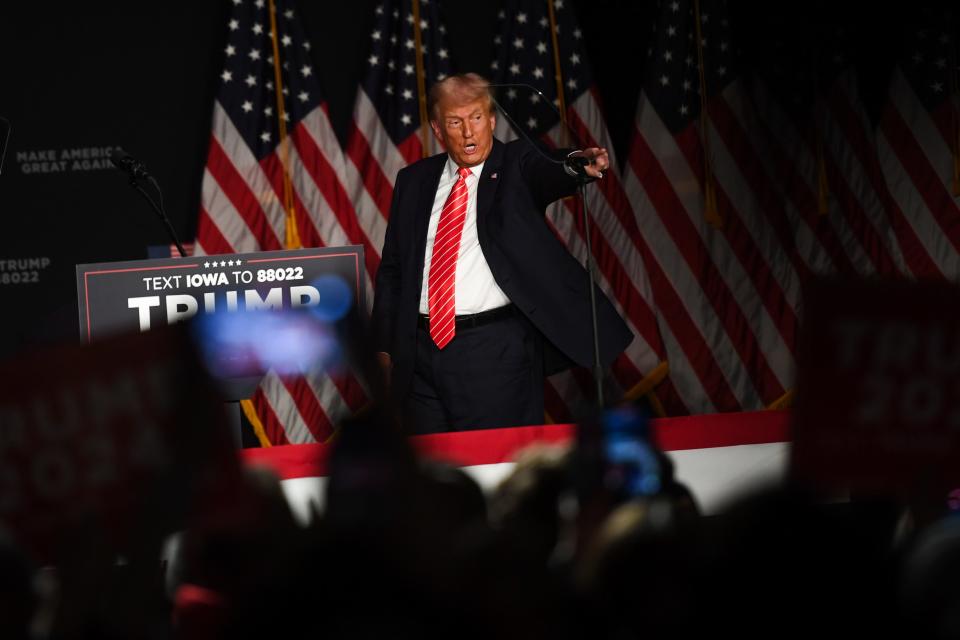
631	465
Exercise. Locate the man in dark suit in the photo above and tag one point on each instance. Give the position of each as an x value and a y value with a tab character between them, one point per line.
476	299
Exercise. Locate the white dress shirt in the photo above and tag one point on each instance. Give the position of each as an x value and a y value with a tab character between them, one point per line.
475	290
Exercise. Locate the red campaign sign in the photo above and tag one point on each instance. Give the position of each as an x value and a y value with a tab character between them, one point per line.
878	387
106	434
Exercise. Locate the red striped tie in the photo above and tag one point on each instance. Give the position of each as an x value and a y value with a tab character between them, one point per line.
443	263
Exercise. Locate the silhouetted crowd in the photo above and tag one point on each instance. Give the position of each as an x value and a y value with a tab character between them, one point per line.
409	548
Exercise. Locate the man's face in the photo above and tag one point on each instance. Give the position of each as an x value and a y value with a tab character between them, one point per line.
465	129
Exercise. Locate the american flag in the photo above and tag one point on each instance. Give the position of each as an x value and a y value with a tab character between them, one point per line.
817	132
246	205
918	142
526	51
387	132
726	292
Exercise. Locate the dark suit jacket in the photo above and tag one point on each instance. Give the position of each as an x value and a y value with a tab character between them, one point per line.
527	260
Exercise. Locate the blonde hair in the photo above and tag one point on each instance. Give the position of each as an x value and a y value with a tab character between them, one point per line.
462	88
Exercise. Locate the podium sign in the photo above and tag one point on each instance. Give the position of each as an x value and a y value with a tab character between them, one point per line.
122	296
878	388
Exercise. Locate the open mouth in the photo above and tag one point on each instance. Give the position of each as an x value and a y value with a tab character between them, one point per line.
470	148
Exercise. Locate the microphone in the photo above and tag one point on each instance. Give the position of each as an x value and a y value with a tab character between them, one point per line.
578	165
128	164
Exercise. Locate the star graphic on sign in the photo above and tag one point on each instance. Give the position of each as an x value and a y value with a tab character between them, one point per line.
230	50
247	106
238	263
406	119
229	263
227	76
257	29
206	265
265	136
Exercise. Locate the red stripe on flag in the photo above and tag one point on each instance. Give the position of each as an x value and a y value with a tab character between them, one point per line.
374	180
926	180
274	171
333	192
864	148
272	428
411	149
209	236
690	245
314	415
247	204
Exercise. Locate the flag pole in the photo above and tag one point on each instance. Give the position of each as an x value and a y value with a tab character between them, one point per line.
558	74
292	240
710	211
421	82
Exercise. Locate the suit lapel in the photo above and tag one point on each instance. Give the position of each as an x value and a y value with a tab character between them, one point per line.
489	181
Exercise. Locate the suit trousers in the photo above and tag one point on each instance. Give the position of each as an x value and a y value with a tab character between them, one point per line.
487	376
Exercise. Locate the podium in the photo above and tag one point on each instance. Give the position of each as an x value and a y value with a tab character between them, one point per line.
122	297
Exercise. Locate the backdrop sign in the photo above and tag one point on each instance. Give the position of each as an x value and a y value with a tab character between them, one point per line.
120	296
878	389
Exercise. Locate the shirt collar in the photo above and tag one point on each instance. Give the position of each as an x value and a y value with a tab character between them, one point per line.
450	169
